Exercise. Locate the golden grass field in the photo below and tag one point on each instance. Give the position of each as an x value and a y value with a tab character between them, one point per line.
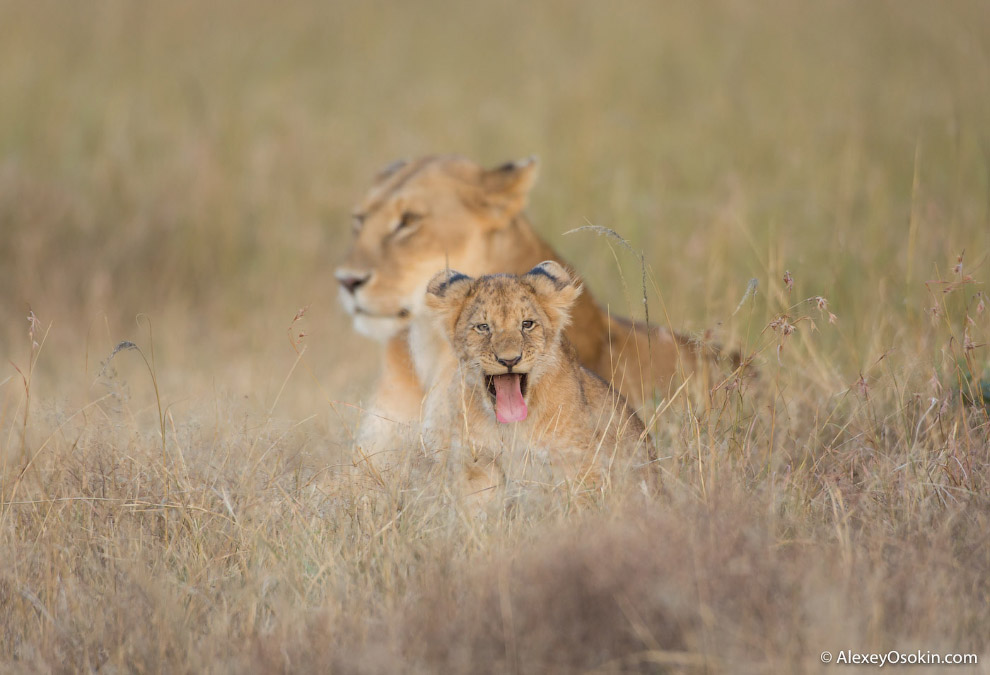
180	176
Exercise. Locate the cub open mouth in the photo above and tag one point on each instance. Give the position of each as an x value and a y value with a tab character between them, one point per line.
508	391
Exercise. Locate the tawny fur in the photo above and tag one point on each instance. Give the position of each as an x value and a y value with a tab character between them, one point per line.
577	429
447	212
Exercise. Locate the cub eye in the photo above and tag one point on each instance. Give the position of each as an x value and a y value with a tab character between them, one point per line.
482	328
528	324
407	220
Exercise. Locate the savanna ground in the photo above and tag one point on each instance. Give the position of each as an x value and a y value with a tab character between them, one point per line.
179	175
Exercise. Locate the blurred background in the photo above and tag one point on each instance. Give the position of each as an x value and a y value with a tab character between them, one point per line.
185	170
197	162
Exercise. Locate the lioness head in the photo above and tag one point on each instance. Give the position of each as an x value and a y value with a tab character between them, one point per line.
505	329
419	217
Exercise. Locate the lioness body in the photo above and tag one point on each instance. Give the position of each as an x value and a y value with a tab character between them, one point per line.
447	212
517	397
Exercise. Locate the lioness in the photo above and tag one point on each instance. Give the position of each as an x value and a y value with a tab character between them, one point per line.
517	396
447	212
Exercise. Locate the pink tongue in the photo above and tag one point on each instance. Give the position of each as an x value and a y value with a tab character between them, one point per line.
509	403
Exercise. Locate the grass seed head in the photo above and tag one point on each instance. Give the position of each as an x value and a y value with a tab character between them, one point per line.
862	386
34	327
968	343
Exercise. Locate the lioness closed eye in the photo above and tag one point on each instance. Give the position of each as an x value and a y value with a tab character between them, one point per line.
518	390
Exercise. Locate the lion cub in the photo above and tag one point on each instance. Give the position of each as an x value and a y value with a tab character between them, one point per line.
512	392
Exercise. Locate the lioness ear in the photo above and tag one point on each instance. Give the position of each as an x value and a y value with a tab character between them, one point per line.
557	290
507	187
445	295
390	170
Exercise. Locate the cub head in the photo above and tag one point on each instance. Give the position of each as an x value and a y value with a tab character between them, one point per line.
418	217
505	329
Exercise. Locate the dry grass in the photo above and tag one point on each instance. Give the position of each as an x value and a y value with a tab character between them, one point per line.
197	510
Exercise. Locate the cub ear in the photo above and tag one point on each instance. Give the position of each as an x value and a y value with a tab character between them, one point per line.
557	290
507	187
445	295
446	284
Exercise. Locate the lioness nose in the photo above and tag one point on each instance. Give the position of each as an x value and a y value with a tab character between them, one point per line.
351	281
508	363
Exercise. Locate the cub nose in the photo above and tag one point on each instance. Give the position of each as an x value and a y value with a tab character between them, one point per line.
352	280
508	363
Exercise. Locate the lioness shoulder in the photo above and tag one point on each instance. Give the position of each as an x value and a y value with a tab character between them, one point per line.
517	391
